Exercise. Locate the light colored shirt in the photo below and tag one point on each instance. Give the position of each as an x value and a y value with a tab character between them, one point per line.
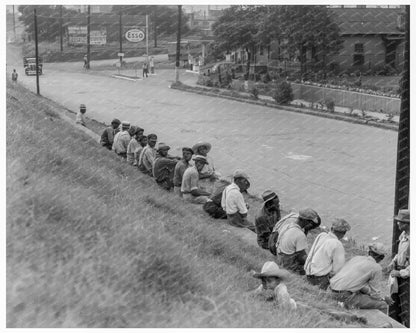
359	272
291	239
402	258
121	142
131	148
180	168
146	159
137	153
281	296
208	169
80	118
232	200
190	180
326	256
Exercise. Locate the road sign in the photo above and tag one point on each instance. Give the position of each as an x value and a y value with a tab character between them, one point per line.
120	54
135	35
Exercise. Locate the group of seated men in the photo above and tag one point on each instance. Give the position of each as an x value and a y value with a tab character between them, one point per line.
194	178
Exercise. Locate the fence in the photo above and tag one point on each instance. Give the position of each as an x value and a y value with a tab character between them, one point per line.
345	98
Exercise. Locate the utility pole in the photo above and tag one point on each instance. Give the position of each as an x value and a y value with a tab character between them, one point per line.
88	36
178	44
14	25
147	39
401	200
154	21
36	51
121	38
60	29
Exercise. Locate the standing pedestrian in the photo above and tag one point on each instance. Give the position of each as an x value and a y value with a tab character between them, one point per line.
145	69
86	62
80	118
400	272
14	76
152	65
327	255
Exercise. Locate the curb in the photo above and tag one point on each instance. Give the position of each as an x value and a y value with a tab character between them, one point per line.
308	111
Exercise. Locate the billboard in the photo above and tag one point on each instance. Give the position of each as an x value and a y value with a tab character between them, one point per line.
77	35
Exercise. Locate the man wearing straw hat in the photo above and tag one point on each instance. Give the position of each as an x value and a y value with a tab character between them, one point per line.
354	285
400	270
267	218
272	278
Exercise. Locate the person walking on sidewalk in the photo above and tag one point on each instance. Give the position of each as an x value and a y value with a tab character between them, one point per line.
152	65
400	272
327	255
14	76
145	69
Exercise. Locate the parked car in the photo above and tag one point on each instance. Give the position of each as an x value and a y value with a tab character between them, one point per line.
29	63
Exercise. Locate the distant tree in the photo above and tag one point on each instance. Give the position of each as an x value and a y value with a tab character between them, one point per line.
47	18
306	28
237	28
297	29
163	19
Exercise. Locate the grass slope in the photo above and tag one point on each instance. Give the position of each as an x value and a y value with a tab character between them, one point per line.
91	242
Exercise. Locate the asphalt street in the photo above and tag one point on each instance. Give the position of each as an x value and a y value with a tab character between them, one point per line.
340	169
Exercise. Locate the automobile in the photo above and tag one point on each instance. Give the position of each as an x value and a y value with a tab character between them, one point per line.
29	63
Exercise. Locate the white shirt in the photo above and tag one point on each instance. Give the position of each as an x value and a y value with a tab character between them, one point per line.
357	273
232	200
326	256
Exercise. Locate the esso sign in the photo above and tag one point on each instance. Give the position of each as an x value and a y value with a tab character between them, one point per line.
134	35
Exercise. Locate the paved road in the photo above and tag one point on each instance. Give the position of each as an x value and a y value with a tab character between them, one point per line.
340	169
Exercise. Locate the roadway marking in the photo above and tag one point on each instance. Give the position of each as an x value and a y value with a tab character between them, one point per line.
297	157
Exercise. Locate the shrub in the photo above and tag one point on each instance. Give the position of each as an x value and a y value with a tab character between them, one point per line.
283	93
254	92
330	105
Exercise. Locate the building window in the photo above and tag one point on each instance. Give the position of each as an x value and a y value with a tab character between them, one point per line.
358	59
359	48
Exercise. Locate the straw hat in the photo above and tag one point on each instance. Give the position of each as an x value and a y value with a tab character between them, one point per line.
200	144
271	269
403	216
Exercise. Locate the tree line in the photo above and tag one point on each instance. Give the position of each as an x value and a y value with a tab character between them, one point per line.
295	29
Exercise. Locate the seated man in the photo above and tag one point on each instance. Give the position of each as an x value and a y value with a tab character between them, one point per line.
272	278
180	168
213	205
107	137
122	140
354	283
163	167
327	255
291	243
190	189
267	218
232	201
148	155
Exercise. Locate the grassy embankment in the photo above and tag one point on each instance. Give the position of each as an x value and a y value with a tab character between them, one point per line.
91	242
